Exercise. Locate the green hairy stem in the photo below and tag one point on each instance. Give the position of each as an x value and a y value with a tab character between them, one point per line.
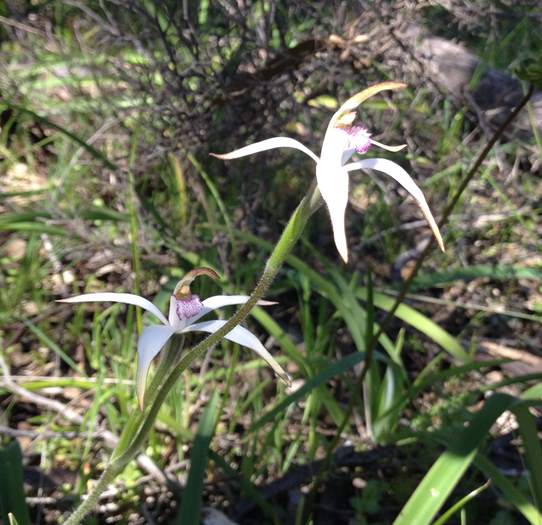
174	362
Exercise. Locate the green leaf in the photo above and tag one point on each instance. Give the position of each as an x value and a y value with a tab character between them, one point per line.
512	495
12	497
190	511
443	476
533	451
339	367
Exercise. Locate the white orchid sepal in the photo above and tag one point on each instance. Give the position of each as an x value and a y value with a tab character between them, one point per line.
342	139
184	310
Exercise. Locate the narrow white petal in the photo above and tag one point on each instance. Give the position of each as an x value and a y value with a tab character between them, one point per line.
151	341
218	301
333	185
397	173
264	145
126	298
242	337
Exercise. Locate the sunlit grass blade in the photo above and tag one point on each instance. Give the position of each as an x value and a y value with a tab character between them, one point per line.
343	297
134	238
12	519
419	321
438	483
382	301
535	392
12	497
180	183
190	511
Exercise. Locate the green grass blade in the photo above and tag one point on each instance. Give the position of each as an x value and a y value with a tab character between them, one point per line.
246	485
90	149
12	519
12	497
134	245
419	321
180	186
500	272
281	337
49	343
460	504
533	393
441	479
190	511
339	367
215	193
533	451
36	227
515	497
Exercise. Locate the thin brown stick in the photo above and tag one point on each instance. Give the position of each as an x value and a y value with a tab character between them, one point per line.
449	209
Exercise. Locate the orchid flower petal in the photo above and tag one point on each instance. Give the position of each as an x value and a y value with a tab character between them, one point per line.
354	101
126	298
394	149
397	173
218	301
172	314
264	145
333	185
336	147
151	341
242	337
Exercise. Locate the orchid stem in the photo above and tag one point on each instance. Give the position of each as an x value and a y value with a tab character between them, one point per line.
86	506
174	363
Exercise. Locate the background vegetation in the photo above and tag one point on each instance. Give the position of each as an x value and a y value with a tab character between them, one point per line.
108	111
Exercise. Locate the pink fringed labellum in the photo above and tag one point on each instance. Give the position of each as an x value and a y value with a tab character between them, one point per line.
360	138
188	307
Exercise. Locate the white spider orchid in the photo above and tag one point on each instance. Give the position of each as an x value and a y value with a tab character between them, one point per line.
184	309
341	141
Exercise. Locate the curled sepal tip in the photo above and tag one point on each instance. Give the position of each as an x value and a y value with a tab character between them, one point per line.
183	286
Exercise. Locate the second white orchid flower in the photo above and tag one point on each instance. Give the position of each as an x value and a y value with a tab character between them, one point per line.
185	309
341	141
